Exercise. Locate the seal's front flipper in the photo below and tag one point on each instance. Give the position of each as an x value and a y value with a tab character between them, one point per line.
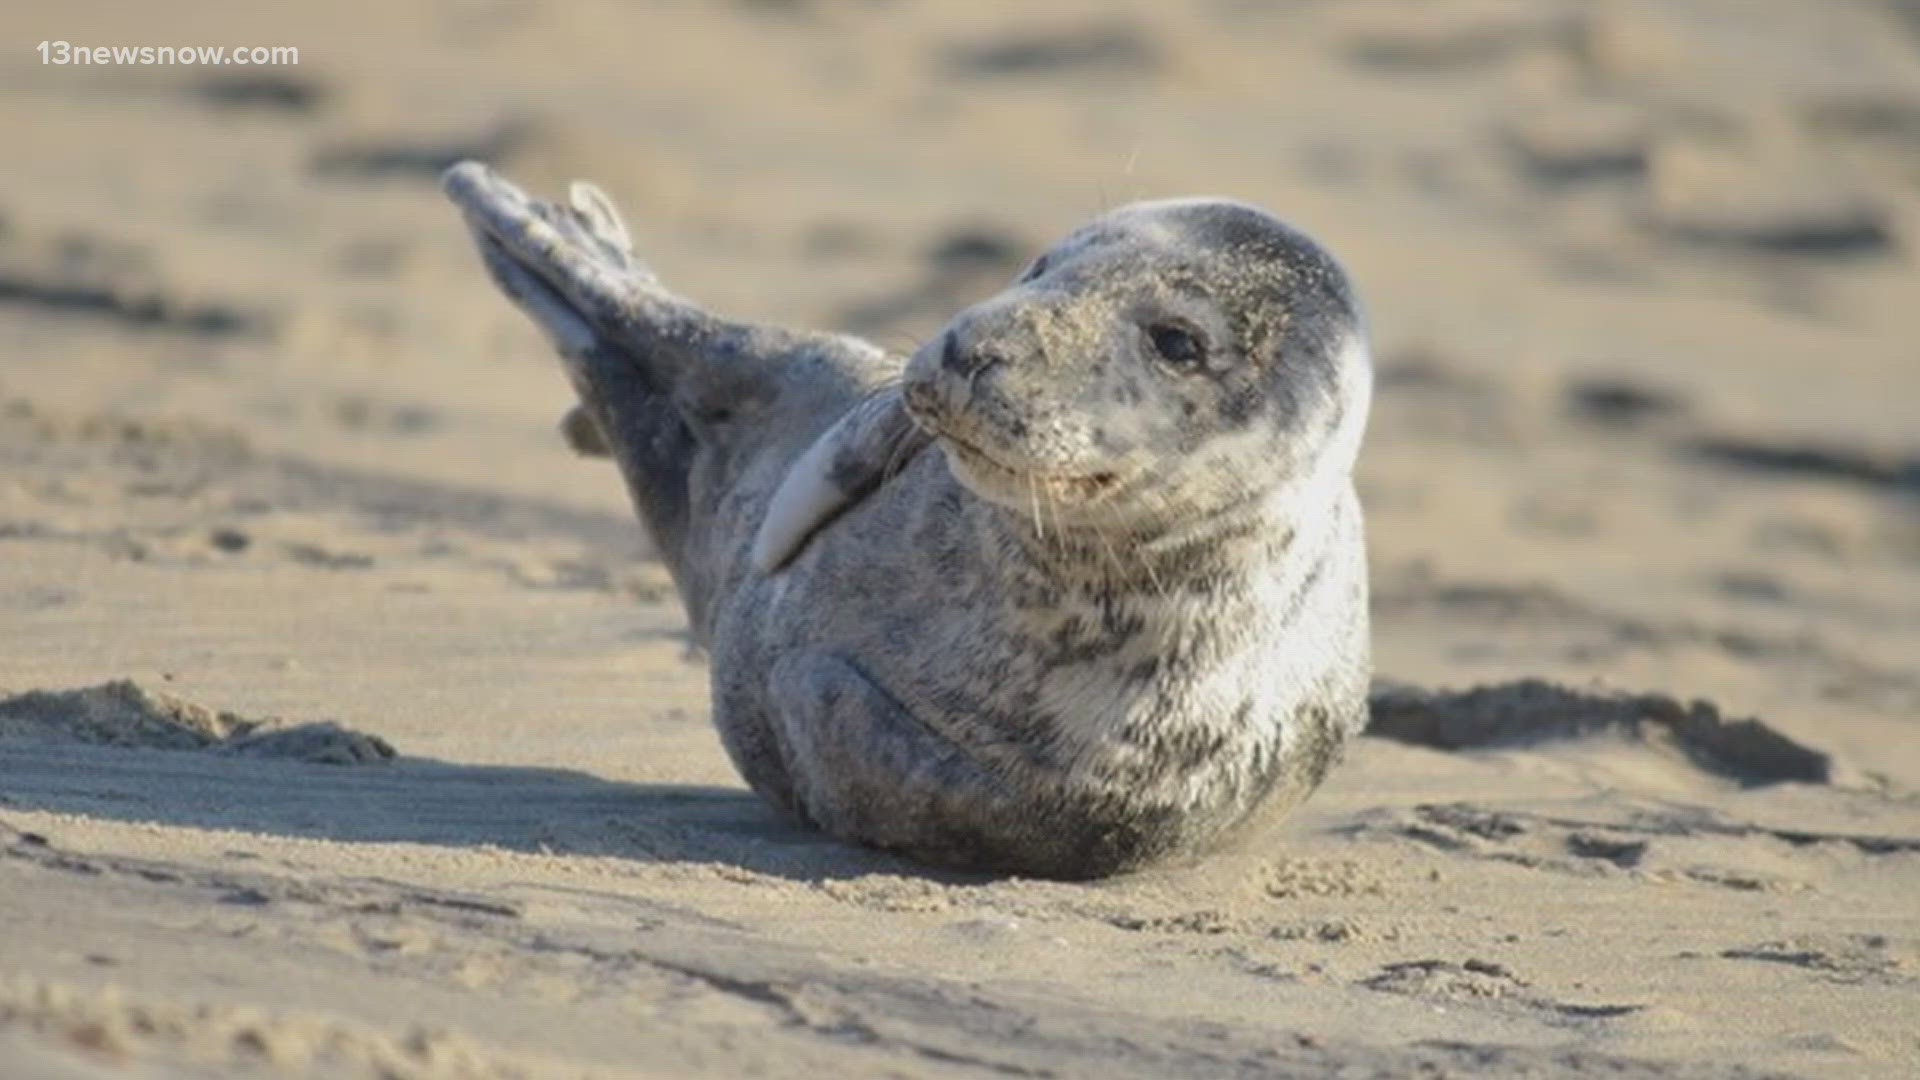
872	442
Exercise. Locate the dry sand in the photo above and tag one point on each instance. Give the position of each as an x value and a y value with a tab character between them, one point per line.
1642	277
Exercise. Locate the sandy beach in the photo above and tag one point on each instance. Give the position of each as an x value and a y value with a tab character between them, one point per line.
348	727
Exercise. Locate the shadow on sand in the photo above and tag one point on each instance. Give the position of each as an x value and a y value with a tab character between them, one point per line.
430	802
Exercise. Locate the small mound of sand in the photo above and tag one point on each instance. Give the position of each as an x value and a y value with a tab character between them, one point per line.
1531	711
124	714
118	713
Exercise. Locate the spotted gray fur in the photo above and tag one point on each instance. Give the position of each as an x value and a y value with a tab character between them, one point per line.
1078	588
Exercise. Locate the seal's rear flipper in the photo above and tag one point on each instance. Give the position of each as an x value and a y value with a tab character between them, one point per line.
583	254
601	218
660	379
630	348
872	442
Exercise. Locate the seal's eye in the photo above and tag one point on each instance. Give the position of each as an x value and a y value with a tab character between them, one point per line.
1177	344
1039	267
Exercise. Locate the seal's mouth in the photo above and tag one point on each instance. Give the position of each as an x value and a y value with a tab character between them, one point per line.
984	467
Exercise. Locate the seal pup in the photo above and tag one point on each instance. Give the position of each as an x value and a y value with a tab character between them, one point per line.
1078	588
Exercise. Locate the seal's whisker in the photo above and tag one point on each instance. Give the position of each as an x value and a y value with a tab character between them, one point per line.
1106	546
897	457
1108	521
1154	585
1059	531
1033	501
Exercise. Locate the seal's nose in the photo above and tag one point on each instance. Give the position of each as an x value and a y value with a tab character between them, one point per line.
968	359
972	359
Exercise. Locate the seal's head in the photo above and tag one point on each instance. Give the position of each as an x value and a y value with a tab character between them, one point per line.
1170	359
